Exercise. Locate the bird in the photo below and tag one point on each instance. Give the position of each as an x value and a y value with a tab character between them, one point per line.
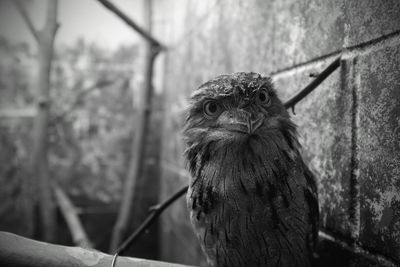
252	199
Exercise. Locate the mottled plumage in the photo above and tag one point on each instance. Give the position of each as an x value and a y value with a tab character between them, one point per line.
252	200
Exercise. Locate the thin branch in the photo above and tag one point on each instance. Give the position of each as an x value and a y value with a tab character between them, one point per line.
21	9
51	19
70	214
138	148
291	103
155	212
110	6
78	98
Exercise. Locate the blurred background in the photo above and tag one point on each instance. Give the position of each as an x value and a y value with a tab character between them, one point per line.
95	84
91	112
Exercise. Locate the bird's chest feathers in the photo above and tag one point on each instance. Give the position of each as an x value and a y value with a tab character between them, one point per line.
238	181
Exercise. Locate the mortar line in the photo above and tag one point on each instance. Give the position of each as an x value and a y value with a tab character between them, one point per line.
306	65
347	52
350	51
354	81
378	43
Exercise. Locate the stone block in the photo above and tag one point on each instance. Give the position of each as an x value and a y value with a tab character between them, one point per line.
267	36
333	253
245	36
324	125
304	30
369	19
378	150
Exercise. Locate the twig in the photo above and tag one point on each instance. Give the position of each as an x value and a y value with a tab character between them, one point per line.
79	97
26	18
110	6
291	103
155	212
68	210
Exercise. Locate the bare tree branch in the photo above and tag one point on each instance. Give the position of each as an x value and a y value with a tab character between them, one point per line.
138	148
38	166
155	212
110	6
51	25
311	86
68	210
78	98
24	14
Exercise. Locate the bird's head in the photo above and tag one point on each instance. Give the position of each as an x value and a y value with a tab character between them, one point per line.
233	110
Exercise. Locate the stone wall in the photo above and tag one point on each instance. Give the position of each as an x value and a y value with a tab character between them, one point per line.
349	126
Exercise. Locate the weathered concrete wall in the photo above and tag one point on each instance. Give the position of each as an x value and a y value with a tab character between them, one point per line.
349	126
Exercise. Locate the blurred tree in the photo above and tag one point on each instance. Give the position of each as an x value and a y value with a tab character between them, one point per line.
16	94
142	122
92	120
89	128
39	164
15	75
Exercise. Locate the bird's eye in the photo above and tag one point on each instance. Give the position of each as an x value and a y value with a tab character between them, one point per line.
211	108
263	98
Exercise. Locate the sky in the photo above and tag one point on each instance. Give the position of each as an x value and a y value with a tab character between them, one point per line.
86	19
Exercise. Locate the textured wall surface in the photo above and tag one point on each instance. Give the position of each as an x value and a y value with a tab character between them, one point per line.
349	126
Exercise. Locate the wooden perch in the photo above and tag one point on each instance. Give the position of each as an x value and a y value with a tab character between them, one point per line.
18	251
68	210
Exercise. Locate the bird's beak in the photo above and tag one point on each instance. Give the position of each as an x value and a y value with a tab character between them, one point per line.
256	123
239	120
